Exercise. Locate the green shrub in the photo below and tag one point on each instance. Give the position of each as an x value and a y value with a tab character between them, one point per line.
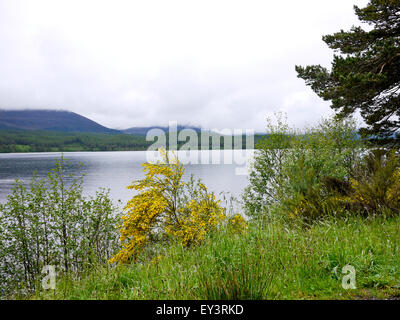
375	185
308	196
266	176
300	172
52	223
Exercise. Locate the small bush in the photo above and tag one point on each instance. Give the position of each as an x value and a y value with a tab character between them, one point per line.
266	176
375	185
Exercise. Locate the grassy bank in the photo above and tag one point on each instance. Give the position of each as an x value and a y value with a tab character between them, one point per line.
269	262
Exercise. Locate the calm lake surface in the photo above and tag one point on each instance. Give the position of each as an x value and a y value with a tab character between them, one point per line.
116	170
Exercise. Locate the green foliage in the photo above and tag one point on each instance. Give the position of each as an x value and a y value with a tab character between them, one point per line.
266	176
292	169
51	141
321	172
376	183
53	224
318	164
365	73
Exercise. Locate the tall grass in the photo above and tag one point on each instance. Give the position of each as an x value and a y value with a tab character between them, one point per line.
270	261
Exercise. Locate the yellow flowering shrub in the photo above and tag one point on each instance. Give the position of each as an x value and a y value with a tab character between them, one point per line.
166	206
197	218
238	224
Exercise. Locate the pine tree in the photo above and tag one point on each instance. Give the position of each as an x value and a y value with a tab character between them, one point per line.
365	73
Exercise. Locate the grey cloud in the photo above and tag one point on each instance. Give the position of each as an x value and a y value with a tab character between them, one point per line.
231	78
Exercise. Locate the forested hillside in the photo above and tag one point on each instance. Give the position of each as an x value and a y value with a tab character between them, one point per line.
48	141
49	120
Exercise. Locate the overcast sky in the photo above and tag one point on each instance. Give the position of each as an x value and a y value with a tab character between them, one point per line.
215	64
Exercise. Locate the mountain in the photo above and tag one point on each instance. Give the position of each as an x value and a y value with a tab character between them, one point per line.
142	131
49	120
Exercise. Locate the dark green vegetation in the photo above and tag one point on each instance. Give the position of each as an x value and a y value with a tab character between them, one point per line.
51	141
365	73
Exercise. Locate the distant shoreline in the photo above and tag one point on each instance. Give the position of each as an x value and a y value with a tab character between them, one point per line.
145	150
27	141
